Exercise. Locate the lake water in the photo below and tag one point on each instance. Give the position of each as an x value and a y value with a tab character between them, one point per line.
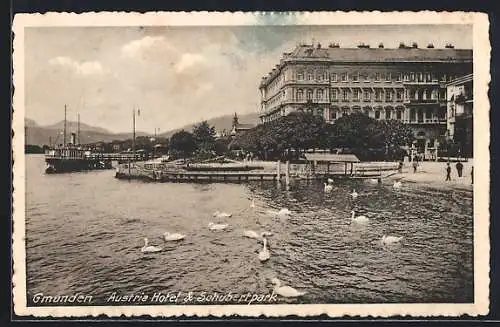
84	233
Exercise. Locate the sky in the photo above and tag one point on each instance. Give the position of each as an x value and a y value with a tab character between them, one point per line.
178	75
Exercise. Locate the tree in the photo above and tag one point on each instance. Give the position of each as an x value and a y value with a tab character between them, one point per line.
204	136
183	143
394	134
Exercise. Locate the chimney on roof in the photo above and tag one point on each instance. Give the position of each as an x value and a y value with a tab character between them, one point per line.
449	46
402	45
381	45
430	46
414	45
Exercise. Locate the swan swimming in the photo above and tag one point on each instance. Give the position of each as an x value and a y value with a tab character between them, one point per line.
173	236
328	187
354	194
265	234
252	205
251	234
213	226
397	184
330	181
391	239
219	214
285	291
264	255
359	219
149	248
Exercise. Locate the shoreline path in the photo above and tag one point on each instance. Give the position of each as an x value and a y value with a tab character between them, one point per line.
433	174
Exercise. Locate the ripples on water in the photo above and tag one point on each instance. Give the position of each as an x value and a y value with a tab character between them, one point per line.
85	231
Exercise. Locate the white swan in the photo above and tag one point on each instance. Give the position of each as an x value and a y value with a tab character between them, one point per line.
285	291
330	181
264	255
213	226
359	219
252	205
173	236
397	184
391	239
265	234
149	248
251	234
219	214
328	187
354	194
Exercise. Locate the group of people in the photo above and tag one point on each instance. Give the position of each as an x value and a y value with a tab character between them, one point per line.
459	166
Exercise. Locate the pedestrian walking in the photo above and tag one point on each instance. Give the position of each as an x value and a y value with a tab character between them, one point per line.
459	166
400	167
415	165
448	172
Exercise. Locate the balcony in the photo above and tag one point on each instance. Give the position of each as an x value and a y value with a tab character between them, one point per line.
423	83
425	121
423	102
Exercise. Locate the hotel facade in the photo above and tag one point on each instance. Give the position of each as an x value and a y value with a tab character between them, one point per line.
408	84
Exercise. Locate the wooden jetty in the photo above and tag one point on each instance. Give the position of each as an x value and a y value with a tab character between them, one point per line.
248	171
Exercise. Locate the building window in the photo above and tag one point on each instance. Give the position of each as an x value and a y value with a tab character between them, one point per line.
300	94
335	95
355	77
377	114
300	76
355	95
377	77
388	95
428	113
344	77
325	76
367	94
388	77
319	76
367	77
412	77
398	77
442	94
413	115
387	114
378	95
319	95
309	94
406	77
398	115
333	114
309	76
345	112
334	77
399	95
443	78
345	95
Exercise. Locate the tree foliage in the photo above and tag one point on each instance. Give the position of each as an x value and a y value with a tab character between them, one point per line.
204	136
183	144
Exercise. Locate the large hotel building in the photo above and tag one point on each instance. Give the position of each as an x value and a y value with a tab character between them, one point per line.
407	83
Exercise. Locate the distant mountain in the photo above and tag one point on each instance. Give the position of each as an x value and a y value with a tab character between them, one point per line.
72	125
221	123
40	135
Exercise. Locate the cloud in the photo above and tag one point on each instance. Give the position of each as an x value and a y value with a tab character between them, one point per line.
188	60
137	47
84	68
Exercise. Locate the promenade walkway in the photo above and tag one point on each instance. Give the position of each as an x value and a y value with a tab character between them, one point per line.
433	174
